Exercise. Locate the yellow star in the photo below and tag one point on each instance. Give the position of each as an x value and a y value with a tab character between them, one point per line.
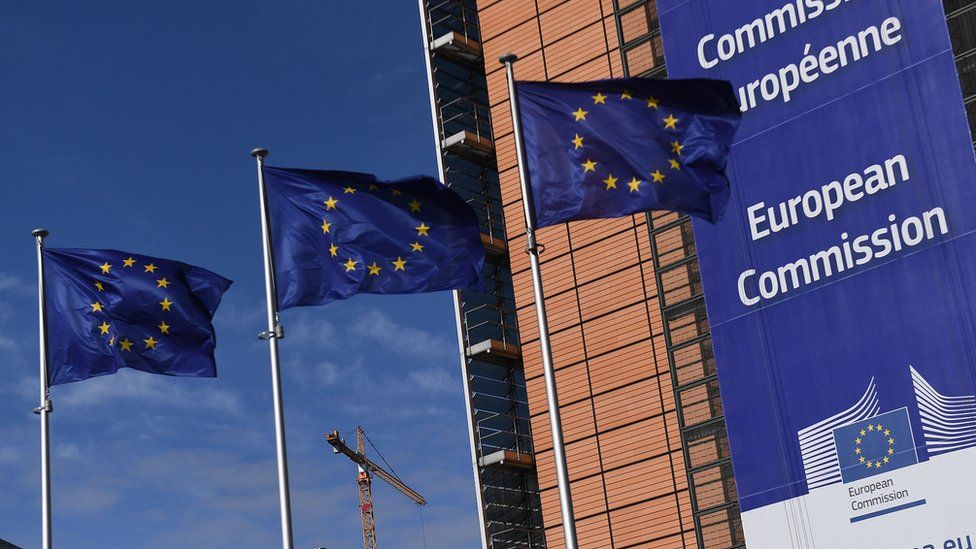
857	440
879	427
599	99
396	192
326	226
676	147
891	451
333	249
611	182
162	283
652	103
111	342
374	269
126	345
349	190
151	343
163	327
589	166
863	432
675	165
626	95
870	427
166	303
891	441
887	433
870	465
106	267
128	262
399	264
99	285
580	114
670	123
886	460
417	247
96	307
422	229
104	327
150	268
877	464
414	205
658	176
330	203
350	265
634	185
857	450
578	142
373	187
861	459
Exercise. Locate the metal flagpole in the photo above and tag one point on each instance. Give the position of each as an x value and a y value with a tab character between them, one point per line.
45	408
555	423
272	335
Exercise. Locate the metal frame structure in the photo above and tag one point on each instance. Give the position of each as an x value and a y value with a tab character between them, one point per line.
503	462
704	441
961	16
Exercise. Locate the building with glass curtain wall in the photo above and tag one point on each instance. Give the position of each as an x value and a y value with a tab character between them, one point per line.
642	413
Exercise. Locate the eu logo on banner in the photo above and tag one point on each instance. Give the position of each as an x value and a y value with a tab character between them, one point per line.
875	446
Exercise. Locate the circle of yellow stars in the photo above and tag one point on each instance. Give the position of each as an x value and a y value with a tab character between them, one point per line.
874	430
105	328
374	268
670	122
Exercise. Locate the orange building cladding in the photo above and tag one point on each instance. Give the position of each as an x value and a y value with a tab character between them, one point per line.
617	400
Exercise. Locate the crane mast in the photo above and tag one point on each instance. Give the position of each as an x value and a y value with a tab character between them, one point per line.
367	469
365	497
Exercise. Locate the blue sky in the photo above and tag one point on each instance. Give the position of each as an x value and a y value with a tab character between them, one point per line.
128	125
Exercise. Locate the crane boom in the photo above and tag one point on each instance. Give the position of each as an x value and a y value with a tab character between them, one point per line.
336	441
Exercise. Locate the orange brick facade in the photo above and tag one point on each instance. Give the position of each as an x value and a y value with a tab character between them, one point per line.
616	397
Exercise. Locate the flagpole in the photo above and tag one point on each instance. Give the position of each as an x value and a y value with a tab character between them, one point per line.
272	335
555	423
45	408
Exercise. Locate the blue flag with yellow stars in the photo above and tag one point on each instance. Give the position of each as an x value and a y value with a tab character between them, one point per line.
335	234
611	148
108	310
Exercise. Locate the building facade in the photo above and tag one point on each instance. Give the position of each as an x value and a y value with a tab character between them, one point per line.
645	437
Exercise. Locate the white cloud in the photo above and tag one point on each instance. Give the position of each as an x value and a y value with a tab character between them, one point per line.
383	330
10	455
14	284
87	497
435	380
313	332
149	389
8	344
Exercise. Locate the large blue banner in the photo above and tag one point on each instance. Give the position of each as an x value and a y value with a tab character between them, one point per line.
841	283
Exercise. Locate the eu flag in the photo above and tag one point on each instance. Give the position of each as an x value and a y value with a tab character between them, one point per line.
108	309
335	234
875	446
610	148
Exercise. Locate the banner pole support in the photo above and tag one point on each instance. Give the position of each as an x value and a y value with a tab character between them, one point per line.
45	408
272	335
533	248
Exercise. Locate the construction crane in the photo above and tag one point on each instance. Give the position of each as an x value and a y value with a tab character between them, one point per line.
368	468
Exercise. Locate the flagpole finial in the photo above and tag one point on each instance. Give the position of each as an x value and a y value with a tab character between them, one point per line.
508	58
259	153
39	233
